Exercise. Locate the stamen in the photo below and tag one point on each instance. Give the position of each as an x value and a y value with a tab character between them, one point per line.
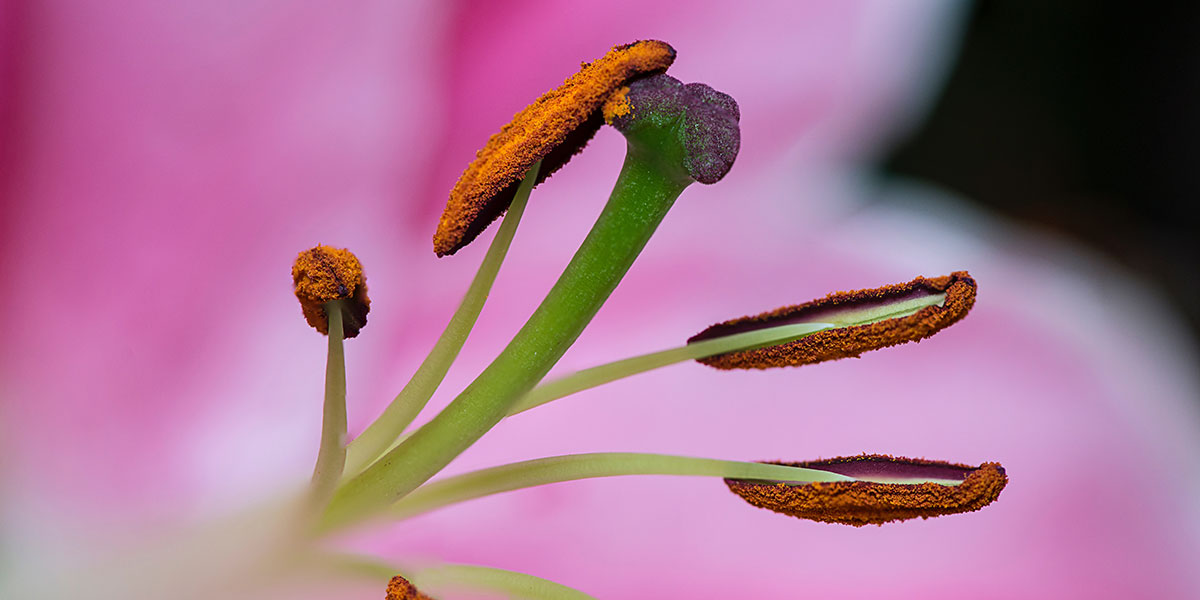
323	274
887	489
602	374
400	589
553	129
867	320
571	467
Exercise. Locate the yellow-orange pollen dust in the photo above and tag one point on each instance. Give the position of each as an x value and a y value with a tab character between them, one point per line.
323	274
552	129
617	105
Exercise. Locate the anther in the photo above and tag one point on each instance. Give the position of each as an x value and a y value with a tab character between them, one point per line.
553	129
888	489
322	275
399	588
864	320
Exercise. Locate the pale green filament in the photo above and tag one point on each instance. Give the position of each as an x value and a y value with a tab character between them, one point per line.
448	577
596	376
749	340
512	583
555	469
331	455
379	435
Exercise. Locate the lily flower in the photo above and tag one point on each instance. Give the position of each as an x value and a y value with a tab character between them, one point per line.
159	160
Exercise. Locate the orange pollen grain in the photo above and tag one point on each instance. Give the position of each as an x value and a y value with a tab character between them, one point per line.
859	503
552	129
846	342
323	274
399	588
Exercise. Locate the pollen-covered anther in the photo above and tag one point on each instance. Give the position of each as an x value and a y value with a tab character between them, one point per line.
861	320
887	489
322	275
399	588
552	129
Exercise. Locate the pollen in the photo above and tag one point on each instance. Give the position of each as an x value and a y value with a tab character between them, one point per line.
323	274
399	588
859	503
956	293
552	129
617	105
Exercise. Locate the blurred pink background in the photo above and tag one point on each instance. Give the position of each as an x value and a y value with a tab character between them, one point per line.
162	164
